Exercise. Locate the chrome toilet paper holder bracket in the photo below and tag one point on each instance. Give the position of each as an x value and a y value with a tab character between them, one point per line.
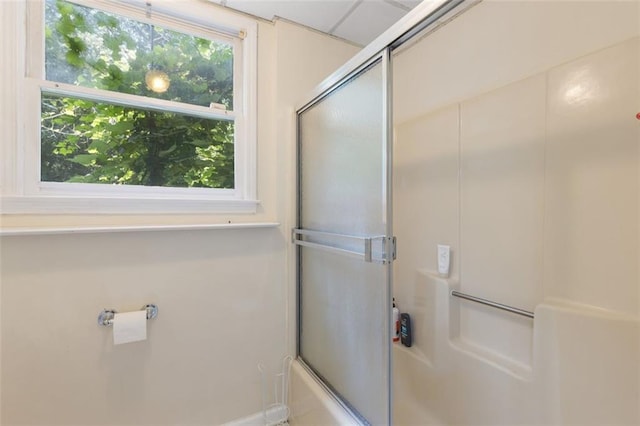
105	318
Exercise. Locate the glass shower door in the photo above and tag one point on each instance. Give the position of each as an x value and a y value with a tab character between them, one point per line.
344	243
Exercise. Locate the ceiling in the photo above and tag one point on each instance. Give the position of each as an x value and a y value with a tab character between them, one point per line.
359	21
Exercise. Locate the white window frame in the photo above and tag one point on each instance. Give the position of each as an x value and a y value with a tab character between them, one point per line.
28	195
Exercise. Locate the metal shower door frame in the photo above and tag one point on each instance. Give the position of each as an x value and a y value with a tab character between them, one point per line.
386	252
408	29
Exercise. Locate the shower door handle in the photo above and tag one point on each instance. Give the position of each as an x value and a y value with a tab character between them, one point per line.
374	249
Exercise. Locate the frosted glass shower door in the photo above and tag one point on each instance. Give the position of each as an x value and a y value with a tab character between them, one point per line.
344	249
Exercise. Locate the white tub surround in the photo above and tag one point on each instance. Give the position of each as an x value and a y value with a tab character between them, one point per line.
584	367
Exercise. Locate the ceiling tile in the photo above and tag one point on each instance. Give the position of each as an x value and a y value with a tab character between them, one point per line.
409	3
263	9
318	14
369	20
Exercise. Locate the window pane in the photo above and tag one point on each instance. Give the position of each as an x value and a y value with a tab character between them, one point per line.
96	142
96	49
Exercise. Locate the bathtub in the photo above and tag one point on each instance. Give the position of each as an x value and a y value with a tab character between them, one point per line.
408	406
311	405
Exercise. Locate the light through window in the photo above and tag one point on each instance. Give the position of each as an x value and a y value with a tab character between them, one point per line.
103	122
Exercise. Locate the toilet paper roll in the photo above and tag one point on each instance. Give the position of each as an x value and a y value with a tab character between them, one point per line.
129	327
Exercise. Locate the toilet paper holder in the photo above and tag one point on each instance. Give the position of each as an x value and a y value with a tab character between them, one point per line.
106	316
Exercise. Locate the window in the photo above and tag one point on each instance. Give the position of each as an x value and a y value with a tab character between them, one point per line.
139	103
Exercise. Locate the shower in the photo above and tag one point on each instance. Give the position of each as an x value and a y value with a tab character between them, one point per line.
494	129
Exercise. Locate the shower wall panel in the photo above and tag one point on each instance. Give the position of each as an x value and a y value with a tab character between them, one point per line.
426	166
591	231
501	200
520	149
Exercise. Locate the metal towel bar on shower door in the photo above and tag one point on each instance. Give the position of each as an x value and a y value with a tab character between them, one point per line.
359	247
493	304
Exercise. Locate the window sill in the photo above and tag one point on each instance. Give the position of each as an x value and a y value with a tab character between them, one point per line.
7	232
13	205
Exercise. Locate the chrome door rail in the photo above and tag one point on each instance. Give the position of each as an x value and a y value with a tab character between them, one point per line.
367	253
493	304
354	254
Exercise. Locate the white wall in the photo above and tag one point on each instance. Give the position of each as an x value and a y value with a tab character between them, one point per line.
222	294
517	144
